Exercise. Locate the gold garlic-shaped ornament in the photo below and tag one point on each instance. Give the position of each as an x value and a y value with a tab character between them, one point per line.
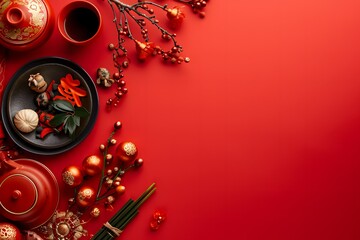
37	83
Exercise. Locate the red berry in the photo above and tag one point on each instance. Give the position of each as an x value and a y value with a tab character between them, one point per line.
117	125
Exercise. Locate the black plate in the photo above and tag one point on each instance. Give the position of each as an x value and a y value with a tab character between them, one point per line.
18	96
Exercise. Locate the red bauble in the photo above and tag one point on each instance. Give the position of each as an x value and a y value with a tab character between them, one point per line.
86	196
72	176
92	165
9	232
154	225
159	216
126	151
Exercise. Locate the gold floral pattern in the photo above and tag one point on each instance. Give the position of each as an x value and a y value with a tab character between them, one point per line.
68	178
64	225
7	232
130	149
86	194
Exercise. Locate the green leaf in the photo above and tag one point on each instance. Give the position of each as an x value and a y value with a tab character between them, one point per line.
66	129
76	120
63	106
81	112
70	125
58	119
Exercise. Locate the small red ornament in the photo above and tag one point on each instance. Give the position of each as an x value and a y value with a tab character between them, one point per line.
138	162
9	231
86	196
92	165
175	16
158	217
144	50
72	176
126	151
117	125
154	225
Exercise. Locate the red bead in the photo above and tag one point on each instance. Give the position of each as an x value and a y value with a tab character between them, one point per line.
111	46
113	141
122	83
125	64
116	76
154	225
118	94
117	125
159	216
138	162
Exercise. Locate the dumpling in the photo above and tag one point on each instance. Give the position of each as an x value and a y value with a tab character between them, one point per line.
26	120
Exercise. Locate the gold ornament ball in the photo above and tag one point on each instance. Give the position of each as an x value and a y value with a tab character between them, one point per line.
86	196
9	231
63	229
120	189
92	165
126	151
72	176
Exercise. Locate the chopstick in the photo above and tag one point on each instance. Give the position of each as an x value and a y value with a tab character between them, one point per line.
124	216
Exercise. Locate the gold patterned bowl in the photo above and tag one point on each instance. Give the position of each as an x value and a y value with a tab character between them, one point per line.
25	24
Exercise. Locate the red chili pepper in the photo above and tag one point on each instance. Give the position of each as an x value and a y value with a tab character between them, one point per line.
45	118
45	132
70	90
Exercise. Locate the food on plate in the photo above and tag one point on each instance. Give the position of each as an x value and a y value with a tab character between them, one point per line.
37	83
42	100
26	120
59	107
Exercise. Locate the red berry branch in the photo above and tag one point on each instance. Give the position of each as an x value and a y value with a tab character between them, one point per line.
198	6
142	14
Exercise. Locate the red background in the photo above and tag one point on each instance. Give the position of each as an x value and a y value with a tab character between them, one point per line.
256	138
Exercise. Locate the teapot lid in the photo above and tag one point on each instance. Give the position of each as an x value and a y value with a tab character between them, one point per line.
24	23
19	194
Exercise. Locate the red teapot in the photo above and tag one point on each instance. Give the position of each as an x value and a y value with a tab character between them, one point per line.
25	24
29	192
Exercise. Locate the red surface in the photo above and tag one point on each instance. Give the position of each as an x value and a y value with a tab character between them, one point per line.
256	138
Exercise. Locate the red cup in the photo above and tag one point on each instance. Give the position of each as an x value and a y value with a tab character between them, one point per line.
79	22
